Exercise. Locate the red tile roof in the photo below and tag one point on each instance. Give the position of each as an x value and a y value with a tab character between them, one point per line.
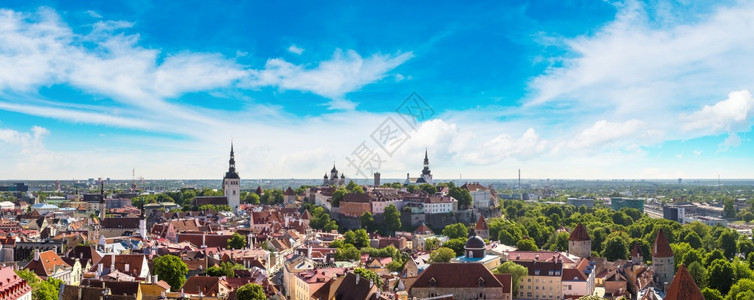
423	229
451	275
579	234
506	280
48	263
12	286
481	224
683	287
129	223
207	285
661	247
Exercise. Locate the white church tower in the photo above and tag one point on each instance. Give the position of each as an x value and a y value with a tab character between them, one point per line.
232	183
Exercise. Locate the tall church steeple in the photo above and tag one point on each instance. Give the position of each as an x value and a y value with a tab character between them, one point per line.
426	176
232	161
102	203
232	182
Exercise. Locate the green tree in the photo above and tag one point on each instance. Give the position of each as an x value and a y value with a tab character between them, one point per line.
457	230
695	255
431	244
727	242
347	253
462	195
361	238
560	242
634	213
615	249
456	244
699	273
693	239
722	273
741	270
352	187
741	287
392	217
713	256
729	208
428	188
745	246
518	272
442	254
237	241
711	294
48	289
526	245
226	269
171	269
350	238
251	291
252	198
369	275
337	196
367	221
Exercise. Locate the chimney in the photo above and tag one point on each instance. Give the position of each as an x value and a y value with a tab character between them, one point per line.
357	278
36	254
155	279
112	263
127	268
99	269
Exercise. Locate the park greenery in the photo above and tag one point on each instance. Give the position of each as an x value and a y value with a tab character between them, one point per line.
41	289
171	269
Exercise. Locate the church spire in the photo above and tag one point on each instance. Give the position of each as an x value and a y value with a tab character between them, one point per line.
232	161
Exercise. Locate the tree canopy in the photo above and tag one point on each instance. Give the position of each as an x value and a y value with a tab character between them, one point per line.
171	269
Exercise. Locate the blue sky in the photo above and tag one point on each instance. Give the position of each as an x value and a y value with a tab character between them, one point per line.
560	89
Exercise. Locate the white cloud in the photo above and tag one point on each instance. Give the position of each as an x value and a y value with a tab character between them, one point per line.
731	114
345	72
649	67
604	132
733	140
295	49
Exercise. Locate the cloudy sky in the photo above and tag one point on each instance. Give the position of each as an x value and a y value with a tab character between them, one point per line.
559	89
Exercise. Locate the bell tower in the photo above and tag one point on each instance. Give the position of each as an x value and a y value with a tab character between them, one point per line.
232	183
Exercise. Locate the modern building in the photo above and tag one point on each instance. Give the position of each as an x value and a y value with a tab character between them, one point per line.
616	203
579	202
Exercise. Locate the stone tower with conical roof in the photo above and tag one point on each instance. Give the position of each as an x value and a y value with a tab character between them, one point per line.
232	183
662	259
683	287
579	243
481	228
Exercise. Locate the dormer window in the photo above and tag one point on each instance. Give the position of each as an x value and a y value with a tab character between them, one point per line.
480	282
432	282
